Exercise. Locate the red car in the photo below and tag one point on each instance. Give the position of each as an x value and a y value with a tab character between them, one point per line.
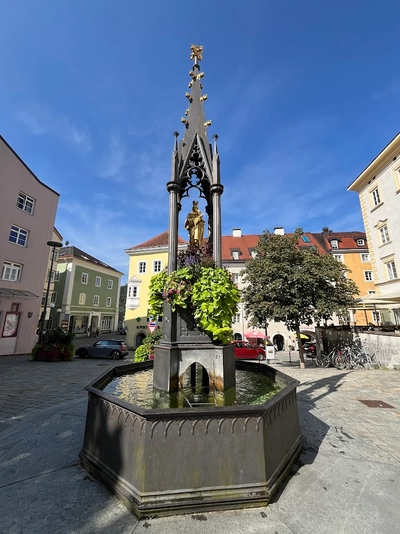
247	351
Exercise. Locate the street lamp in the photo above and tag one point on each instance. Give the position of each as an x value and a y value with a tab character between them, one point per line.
54	245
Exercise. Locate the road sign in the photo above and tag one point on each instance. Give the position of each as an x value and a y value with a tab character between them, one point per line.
152	326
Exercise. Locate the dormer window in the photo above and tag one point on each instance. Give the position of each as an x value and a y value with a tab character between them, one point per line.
334	243
360	242
235	254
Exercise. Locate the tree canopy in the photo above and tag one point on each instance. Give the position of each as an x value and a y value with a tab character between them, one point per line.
295	285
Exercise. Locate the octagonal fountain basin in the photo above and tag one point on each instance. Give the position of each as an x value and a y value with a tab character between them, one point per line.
199	456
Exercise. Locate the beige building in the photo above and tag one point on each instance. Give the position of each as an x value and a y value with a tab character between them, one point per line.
378	187
27	212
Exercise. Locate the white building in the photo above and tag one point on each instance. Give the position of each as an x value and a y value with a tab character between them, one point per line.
378	187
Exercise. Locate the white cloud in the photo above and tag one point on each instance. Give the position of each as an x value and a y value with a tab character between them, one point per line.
115	159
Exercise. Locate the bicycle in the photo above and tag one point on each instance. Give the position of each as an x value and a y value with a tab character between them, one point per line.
325	360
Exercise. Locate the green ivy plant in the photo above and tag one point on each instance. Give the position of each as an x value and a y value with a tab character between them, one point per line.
207	291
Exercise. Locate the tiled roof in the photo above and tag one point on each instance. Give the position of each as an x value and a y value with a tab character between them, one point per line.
161	240
346	240
75	252
244	243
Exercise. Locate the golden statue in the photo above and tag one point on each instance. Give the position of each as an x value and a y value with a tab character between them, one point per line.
197	52
194	224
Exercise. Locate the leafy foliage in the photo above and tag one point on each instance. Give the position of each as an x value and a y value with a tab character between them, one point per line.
57	339
202	288
295	285
144	351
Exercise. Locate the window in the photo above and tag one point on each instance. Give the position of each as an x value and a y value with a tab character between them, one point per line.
53	297
360	242
334	243
98	281
18	235
11	271
55	255
156	266
235	278
391	269
236	254
339	257
253	253
82	299
15	306
365	258
96	300
43	298
110	284
236	318
52	275
376	199
25	203
84	278
384	234
108	302
305	239
56	276
376	316
371	292
368	276
142	267
133	291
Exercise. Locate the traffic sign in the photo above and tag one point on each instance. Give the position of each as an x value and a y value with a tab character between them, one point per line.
152	326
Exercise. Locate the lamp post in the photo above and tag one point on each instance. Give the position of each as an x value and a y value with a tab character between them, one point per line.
54	245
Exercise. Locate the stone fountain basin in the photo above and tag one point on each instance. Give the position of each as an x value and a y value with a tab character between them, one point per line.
171	461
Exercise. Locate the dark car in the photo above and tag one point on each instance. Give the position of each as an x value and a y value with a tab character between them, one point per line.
247	351
103	348
122	331
310	349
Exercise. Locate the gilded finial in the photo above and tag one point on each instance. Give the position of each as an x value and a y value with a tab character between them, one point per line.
176	134
187	112
190	84
185	121
196	53
200	75
204	97
207	124
189	96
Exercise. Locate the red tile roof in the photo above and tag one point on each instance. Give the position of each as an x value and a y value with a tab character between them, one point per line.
161	240
244	243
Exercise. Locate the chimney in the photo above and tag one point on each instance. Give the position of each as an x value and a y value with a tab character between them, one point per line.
325	230
279	230
237	232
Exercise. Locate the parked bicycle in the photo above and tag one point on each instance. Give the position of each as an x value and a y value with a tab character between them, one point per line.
325	360
355	358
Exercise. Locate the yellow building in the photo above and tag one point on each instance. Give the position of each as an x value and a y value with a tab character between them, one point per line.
145	260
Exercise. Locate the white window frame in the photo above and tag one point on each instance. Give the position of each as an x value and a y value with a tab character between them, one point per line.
339	257
21	236
376	197
384	234
236	278
236	318
82	299
142	267
360	242
368	276
334	244
53	297
84	278
157	266
25	203
110	284
108	302
56	276
236	255
11	271
365	257
133	291
97	282
376	316
391	270
96	300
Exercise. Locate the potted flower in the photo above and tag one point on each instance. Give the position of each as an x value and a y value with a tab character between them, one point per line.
55	346
203	289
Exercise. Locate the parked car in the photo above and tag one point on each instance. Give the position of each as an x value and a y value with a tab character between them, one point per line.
310	349
103	348
247	351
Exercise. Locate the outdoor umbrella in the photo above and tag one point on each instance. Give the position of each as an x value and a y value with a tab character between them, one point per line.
302	336
255	334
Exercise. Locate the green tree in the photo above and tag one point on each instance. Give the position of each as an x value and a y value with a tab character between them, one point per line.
295	285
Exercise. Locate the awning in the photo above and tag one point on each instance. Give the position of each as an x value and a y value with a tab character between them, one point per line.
255	334
16	294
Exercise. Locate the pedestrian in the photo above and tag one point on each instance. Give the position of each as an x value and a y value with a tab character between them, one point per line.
97	332
88	331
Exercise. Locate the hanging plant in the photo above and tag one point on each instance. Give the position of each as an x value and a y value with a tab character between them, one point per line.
206	290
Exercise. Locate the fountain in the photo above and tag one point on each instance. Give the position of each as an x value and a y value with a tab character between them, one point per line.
199	454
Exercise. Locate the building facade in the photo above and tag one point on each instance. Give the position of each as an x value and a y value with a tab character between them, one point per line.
86	293
378	188
27	210
145	260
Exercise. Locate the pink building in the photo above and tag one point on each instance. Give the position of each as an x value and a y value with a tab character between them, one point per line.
27	213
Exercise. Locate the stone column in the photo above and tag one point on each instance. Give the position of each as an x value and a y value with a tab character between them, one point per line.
173	190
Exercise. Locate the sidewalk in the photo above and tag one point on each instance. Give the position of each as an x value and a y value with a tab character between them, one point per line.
346	481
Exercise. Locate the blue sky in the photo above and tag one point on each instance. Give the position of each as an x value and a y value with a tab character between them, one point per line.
303	95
